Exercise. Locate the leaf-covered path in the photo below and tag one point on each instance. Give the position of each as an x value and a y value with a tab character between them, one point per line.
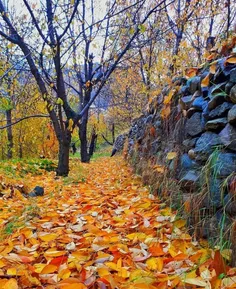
99	228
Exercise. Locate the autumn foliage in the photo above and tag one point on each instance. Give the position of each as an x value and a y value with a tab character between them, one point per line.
100	229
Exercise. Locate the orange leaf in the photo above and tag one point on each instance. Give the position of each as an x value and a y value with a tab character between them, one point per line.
165	112
218	264
213	68
212	56
49	269
205	82
230	60
10	284
73	286
191	72
59	260
156	250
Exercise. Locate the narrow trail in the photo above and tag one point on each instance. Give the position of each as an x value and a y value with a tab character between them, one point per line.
100	228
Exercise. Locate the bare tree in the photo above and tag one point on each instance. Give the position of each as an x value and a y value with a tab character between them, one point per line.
46	39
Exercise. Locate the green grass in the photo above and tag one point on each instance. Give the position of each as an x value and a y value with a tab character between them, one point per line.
103	151
21	167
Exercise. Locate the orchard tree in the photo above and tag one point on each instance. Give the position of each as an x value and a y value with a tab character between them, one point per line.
52	33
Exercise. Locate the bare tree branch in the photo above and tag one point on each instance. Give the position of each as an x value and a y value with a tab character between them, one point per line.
23	118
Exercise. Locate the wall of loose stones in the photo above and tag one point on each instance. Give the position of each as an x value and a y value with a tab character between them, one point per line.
189	158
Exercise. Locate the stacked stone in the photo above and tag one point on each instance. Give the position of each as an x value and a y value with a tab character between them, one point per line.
210	134
205	142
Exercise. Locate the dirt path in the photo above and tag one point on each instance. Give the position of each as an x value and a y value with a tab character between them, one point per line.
100	228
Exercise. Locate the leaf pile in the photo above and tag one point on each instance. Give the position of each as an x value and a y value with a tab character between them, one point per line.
105	231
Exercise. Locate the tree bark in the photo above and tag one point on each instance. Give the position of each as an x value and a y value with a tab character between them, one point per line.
63	159
9	135
93	141
83	140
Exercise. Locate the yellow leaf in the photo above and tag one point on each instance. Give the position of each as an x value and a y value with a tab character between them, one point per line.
2	263
59	101
226	253
155	264
123	273
49	269
171	155
205	82
112	265
54	253
159	168
48	237
64	274
103	272
11	271
168	98
141	276
195	281
180	223
139	236
70	124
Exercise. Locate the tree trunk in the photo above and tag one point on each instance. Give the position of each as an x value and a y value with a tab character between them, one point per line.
83	141
9	135
93	141
63	159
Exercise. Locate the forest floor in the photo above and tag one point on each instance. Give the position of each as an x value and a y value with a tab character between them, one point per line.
97	228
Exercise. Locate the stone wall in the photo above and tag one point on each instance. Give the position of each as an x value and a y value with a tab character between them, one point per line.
189	157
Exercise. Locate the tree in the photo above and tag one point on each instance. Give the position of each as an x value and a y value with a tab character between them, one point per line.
50	27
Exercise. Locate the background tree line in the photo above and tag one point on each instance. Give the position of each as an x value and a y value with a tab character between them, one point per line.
73	69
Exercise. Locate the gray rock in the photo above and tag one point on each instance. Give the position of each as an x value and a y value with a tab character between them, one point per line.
228	137
119	143
194	124
228	87
232	115
157	124
232	94
190	179
219	88
233	75
225	69
186	101
199	103
225	165
184	90
221	74
220	110
216	100
206	112
205	145
205	92
37	192
191	111
186	163
149	119
190	143
216	124
194	84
